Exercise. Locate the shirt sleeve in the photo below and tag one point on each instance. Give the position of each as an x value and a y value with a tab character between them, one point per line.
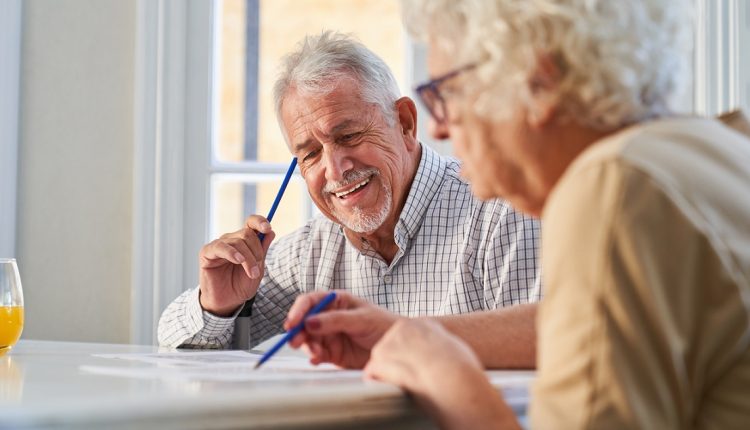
185	324
612	326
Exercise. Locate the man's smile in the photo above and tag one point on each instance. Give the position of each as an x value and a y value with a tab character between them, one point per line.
345	192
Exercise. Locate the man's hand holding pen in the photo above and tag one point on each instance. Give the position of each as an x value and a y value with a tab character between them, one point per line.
231	267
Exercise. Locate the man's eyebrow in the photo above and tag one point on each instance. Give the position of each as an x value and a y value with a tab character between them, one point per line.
341	126
336	129
300	146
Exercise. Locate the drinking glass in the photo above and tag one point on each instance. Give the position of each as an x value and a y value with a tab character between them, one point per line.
11	304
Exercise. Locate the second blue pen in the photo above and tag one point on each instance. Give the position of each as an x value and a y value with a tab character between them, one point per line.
276	201
327	300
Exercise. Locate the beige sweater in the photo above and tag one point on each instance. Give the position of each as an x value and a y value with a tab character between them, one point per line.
645	321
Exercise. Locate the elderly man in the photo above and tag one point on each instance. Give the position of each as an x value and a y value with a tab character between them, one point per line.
401	229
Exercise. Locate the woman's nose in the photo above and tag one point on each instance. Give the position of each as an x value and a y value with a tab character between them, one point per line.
438	130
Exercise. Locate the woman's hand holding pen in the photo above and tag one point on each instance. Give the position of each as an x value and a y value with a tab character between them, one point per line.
231	267
344	334
441	371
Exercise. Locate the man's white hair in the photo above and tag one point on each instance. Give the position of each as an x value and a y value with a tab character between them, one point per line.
621	61
320	62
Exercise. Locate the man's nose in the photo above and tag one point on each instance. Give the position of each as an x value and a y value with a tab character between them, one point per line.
336	163
438	130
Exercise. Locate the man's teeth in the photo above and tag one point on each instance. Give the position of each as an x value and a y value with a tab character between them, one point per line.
356	187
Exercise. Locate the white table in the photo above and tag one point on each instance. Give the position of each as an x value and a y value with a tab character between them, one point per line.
42	386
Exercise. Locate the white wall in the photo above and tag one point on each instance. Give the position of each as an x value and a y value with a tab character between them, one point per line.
75	168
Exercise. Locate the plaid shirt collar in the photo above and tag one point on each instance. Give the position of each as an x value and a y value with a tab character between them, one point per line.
427	181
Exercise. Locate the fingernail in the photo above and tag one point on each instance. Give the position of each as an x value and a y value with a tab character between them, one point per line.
239	257
312	323
266	227
254	272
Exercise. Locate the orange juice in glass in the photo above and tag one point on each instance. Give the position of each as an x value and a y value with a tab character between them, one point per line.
11	304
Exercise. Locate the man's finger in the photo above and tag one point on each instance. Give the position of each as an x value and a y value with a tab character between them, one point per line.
251	264
250	237
258	223
267	241
219	250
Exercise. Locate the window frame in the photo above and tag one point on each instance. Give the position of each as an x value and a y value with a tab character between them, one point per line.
171	116
721	77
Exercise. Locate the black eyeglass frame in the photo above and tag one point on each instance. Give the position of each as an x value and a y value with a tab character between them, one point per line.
429	93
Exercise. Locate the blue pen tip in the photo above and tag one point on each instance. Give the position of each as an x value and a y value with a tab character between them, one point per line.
296	329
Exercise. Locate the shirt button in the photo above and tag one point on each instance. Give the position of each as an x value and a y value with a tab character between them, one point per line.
387	279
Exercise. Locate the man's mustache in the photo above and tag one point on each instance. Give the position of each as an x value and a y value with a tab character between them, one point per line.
351	177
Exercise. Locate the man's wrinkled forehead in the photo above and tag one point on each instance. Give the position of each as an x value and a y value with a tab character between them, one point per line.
325	115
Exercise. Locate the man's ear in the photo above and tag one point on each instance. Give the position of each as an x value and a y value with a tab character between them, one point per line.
543	87
406	112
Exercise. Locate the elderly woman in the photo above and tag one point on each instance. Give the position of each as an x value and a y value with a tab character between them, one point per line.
562	108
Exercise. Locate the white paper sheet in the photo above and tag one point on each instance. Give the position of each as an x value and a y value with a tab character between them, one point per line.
238	366
216	366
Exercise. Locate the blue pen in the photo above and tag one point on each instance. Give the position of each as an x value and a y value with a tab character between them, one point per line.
276	201
330	297
248	306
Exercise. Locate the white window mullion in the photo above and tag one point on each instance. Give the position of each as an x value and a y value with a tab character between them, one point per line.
199	126
151	103
742	48
250	167
169	191
721	72
732	53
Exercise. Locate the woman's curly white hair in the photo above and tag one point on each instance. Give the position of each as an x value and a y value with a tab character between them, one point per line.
621	61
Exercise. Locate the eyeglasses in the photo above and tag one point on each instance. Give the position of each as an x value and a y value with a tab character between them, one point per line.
429	94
